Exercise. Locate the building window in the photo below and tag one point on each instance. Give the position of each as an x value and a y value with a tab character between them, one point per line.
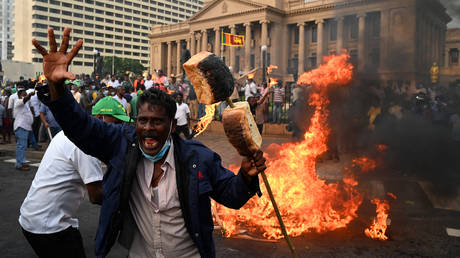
296	35
375	56
77	23
67	13
39	8
354	28
54	19
110	51
373	20
66	21
314	33
55	2
333	30
313	60
354	57
52	10
453	56
66	4
252	62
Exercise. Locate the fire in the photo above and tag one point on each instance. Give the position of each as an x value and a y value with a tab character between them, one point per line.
306	202
379	226
251	75
364	163
273	82
271	68
382	147
206	119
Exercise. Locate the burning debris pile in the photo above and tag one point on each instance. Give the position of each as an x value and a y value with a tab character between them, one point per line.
307	203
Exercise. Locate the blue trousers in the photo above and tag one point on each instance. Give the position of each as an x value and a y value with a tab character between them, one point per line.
21	145
33	141
277	106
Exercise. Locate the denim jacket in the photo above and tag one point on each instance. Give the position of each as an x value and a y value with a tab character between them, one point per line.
200	175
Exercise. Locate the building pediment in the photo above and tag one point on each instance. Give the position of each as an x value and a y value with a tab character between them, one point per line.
219	8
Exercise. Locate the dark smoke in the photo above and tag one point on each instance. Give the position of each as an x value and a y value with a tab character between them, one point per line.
418	147
453	9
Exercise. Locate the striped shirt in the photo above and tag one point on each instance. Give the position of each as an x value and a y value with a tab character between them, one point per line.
278	94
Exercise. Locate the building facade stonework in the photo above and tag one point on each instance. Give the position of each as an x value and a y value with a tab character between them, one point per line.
392	41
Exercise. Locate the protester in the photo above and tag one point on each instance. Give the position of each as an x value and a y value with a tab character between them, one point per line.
86	99
48	121
48	214
278	99
113	83
120	92
143	161
3	115
261	109
7	121
139	84
250	89
76	93
182	116
35	105
148	83
22	127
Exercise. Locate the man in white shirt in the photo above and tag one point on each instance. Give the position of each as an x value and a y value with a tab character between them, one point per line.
113	83
250	89
119	97
13	98
48	214
182	116
148	83
35	104
22	127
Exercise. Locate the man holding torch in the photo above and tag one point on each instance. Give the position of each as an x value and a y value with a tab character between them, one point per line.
157	186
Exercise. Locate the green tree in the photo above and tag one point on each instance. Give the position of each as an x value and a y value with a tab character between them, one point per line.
121	65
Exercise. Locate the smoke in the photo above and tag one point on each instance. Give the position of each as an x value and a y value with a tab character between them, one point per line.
453	9
417	147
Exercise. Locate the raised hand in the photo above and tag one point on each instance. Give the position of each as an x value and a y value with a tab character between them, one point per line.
56	63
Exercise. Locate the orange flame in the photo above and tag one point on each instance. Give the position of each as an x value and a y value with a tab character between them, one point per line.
271	68
392	195
379	226
251	75
206	119
382	147
273	82
364	163
306	202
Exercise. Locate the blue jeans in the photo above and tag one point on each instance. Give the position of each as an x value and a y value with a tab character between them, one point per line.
33	141
21	146
277	106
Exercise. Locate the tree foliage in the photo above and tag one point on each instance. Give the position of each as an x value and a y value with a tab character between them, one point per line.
121	65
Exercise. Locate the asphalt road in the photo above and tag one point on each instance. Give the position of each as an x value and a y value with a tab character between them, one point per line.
419	219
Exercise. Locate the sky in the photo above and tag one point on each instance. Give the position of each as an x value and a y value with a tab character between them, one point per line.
453	9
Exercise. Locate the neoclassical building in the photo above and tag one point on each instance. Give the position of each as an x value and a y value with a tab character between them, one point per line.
390	41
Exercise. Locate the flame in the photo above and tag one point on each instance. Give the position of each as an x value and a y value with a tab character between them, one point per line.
392	195
251	75
306	202
206	119
271	68
364	163
273	82
382	147
379	226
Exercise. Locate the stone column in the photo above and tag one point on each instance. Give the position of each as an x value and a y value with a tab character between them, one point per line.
339	35
319	43
264	33
198	42
384	36
285	32
168	58
361	41
301	63
217	41
232	49
192	43
247	47
178	53
204	40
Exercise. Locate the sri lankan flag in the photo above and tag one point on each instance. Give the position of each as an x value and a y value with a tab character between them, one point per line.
232	40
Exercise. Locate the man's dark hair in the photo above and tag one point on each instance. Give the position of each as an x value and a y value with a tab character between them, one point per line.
154	96
179	94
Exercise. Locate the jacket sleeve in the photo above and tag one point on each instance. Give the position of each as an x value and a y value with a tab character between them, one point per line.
229	189
91	135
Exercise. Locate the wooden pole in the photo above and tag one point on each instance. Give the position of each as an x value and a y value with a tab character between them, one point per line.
273	201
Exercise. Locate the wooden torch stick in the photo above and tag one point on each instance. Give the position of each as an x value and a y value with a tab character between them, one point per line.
275	206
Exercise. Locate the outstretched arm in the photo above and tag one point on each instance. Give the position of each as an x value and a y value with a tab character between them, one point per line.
91	135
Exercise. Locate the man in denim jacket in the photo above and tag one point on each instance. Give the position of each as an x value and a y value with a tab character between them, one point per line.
157	186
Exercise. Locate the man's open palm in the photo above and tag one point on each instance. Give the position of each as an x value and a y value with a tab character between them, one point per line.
56	63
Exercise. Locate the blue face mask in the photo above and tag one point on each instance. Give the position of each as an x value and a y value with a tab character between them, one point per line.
106	92
163	150
87	91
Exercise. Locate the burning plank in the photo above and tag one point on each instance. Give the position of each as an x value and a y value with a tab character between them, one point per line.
271	68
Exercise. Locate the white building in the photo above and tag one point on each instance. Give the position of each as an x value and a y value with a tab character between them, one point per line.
6	29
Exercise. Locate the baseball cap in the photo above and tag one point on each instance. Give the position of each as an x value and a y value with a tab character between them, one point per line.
110	106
